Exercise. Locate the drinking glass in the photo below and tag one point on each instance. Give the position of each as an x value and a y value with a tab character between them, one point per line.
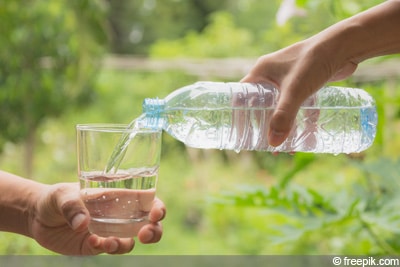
118	172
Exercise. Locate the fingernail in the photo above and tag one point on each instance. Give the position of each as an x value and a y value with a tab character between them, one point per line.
275	138
113	246
77	221
148	237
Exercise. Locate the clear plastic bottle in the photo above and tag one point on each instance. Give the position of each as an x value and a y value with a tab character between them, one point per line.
235	116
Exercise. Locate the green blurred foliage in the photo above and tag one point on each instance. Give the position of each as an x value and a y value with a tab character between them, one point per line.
48	54
137	24
209	43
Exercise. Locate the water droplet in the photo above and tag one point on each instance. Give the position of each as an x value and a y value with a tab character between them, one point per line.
117	200
104	197
129	202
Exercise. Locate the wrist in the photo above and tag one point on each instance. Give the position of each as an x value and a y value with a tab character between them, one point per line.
18	203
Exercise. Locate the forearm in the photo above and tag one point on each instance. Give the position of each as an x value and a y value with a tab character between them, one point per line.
17	202
374	32
381	31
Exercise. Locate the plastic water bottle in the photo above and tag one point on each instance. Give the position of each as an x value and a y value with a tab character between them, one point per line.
235	116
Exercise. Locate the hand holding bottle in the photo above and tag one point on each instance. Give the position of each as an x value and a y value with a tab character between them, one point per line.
259	108
297	79
333	54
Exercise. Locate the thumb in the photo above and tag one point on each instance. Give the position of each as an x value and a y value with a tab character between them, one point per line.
283	118
71	207
79	222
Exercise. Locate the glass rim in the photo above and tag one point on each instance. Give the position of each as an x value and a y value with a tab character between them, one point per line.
111	127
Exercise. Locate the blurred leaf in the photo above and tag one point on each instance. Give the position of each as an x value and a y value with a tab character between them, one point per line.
301	3
301	161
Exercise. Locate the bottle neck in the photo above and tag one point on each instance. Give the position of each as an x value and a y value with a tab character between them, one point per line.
153	111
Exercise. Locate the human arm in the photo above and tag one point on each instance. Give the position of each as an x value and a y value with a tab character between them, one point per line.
56	218
333	54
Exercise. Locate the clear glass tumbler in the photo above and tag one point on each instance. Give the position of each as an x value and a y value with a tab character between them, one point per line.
118	172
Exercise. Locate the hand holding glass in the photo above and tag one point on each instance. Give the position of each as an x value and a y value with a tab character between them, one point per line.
118	198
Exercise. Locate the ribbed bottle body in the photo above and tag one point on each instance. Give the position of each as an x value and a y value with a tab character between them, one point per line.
235	116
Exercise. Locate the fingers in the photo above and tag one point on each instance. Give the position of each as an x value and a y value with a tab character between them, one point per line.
152	232
158	211
64	200
282	121
149	233
270	69
111	245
